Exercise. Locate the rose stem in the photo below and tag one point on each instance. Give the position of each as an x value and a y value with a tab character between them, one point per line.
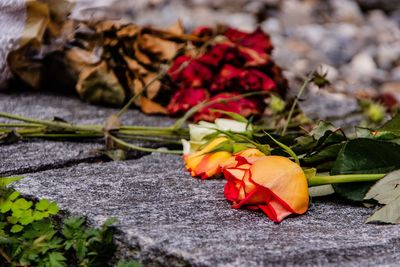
179	123
343	178
144	149
296	100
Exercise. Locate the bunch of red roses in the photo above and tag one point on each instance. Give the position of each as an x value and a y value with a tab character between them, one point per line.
236	62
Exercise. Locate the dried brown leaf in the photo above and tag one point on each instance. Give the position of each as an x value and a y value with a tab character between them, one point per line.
162	49
134	66
24	68
153	89
176	28
99	84
150	107
108	25
140	56
130	30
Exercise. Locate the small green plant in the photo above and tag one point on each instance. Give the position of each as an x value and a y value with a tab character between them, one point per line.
32	235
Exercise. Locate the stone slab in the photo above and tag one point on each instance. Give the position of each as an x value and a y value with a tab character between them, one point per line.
167	218
46	106
39	155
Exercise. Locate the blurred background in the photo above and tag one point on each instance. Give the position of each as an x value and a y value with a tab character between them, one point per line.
357	42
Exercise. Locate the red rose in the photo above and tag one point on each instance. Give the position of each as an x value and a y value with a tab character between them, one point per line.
229	53
257	40
234	79
254	80
228	78
203	31
244	106
194	74
184	99
215	56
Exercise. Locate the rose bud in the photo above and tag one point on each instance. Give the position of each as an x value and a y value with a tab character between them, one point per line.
273	184
206	162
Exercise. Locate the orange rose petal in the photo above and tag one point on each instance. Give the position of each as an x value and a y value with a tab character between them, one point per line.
288	181
205	164
209	165
273	184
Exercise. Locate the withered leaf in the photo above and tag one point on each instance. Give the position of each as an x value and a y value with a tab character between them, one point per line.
81	58
151	107
176	28
25	69
162	49
153	88
10	137
135	85
108	25
140	56
130	30
99	84
114	154
134	66
38	18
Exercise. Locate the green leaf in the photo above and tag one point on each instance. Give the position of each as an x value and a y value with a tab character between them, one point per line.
392	125
42	205
13	195
5	206
329	153
16	228
321	128
26	220
363	155
53	208
12	219
235	116
4	181
390	213
385	190
367	156
23	204
353	191
56	259
38	215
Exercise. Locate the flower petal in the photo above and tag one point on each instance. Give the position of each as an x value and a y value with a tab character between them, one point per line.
285	179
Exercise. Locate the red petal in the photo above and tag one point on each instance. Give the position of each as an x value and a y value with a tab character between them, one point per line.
184	99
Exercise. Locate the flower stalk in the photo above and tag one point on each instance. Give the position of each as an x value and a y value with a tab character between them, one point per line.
343	178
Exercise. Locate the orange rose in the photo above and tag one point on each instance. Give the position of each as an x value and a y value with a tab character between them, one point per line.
204	163
273	184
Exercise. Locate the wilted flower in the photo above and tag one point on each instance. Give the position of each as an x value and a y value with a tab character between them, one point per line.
273	184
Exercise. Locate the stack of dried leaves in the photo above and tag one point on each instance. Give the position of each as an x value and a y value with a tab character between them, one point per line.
114	61
109	62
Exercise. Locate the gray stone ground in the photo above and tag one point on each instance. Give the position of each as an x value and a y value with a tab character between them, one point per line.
167	218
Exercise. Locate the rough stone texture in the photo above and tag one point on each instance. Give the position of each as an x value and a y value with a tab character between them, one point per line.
33	156
38	155
168	218
70	108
